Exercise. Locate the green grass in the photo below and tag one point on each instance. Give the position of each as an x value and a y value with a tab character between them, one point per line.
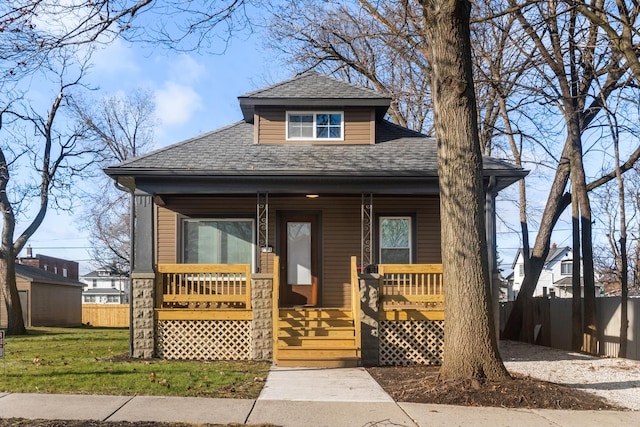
94	361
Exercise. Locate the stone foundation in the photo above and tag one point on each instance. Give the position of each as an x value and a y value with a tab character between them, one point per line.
262	322
143	325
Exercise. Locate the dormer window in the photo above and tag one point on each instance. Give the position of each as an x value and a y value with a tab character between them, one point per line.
325	126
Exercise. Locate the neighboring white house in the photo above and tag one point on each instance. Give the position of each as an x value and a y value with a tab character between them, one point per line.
106	285
555	279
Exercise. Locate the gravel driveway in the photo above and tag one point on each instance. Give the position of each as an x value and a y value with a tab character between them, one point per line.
617	380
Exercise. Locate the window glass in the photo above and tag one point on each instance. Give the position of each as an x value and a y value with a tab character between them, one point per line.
395	240
314	125
301	126
222	241
328	125
566	267
299	253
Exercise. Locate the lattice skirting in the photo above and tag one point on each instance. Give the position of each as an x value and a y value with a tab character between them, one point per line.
411	342
204	339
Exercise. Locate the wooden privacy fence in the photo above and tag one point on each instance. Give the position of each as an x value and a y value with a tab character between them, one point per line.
548	322
106	315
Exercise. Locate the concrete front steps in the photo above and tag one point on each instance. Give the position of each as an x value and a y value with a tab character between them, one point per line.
316	337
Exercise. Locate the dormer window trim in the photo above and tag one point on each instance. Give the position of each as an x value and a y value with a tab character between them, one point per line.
313	120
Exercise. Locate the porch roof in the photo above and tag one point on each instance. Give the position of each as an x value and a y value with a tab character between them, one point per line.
227	160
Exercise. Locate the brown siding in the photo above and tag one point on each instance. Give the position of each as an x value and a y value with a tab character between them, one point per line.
56	305
340	229
271	124
22	285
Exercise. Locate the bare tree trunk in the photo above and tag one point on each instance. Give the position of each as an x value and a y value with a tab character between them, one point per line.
470	342
623	263
15	320
590	324
576	287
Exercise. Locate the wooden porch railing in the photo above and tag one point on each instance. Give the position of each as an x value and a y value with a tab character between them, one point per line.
412	286
203	287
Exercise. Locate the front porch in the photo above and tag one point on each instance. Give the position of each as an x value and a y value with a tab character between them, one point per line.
218	312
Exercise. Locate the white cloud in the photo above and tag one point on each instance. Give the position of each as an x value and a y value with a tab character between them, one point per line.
116	58
186	69
176	103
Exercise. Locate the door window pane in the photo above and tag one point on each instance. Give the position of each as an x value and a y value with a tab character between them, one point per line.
395	240
299	253
224	241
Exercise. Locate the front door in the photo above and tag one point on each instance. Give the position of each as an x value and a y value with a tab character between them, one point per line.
299	259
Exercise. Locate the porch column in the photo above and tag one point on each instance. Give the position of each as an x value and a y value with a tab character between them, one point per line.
494	272
366	230
143	279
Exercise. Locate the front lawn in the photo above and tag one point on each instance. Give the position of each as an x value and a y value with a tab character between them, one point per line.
94	361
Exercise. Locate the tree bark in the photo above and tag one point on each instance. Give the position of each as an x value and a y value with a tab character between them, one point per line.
470	343
15	321
576	287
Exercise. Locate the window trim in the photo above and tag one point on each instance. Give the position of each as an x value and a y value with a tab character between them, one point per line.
239	217
314	113
562	264
412	234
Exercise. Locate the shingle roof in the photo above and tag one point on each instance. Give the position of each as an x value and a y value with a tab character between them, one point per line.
312	85
43	276
231	151
310	90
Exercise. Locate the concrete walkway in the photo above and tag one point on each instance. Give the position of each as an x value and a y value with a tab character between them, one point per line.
298	397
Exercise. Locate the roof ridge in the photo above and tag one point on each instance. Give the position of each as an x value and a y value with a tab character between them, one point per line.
313	73
275	85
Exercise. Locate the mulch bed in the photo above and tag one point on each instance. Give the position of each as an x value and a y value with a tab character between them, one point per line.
420	384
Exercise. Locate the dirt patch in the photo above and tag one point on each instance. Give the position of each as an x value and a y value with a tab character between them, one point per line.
420	384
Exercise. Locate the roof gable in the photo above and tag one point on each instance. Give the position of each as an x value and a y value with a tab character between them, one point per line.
554	254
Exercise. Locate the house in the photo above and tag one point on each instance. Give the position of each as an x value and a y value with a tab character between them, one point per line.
61	267
307	233
556	277
106	285
47	299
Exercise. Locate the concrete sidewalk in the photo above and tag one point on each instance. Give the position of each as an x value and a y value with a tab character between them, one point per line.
298	397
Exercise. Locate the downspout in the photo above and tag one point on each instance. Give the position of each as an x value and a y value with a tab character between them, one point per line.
132	230
132	215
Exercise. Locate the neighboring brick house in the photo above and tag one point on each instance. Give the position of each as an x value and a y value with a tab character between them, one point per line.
106	285
61	267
